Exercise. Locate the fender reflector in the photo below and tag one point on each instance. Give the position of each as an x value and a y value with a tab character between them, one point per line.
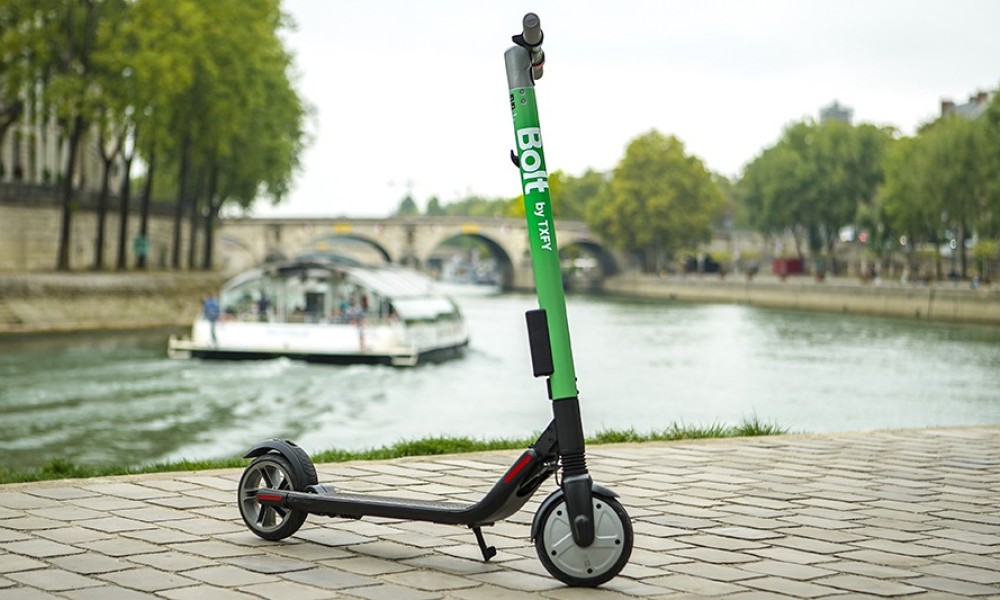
525	459
269	497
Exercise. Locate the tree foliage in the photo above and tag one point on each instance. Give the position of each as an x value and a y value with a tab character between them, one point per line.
814	180
660	200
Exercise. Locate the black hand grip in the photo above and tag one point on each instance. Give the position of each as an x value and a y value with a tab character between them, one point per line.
532	29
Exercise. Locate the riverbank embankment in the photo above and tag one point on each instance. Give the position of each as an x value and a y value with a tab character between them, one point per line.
939	301
69	302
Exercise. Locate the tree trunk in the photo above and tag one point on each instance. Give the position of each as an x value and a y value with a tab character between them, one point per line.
175	258
195	219
213	214
62	262
123	210
147	193
962	256
102	211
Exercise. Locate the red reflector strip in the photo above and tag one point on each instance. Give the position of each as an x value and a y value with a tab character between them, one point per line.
265	497
525	459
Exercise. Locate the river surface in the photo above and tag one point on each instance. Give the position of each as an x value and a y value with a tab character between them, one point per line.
117	398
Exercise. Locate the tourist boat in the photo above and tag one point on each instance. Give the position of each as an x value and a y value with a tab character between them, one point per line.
326	310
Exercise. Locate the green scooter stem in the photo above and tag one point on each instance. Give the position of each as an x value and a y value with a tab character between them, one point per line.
541	226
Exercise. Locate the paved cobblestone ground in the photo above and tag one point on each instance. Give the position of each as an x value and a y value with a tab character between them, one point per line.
912	514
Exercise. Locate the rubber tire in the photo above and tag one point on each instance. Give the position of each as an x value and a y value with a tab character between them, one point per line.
619	532
283	522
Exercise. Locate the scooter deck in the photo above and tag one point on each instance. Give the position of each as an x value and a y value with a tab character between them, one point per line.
351	505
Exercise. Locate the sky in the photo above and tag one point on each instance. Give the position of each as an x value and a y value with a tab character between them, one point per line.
410	97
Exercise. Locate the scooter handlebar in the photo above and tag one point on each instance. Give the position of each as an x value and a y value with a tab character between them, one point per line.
531	29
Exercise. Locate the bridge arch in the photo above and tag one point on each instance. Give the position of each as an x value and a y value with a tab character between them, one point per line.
501	254
328	244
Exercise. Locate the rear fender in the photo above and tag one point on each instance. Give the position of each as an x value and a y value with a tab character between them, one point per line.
305	472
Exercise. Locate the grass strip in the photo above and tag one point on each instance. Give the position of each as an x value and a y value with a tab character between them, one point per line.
65	469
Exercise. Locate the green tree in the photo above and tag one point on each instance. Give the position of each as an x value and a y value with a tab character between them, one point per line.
814	180
660	200
434	208
407	207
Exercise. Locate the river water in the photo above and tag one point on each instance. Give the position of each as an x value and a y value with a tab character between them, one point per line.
116	398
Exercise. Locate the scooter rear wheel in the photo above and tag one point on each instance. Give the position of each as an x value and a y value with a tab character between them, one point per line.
270	471
585	566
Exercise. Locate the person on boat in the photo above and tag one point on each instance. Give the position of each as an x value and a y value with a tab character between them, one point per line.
210	308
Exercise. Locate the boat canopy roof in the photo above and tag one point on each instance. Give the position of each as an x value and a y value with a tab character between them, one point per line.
411	293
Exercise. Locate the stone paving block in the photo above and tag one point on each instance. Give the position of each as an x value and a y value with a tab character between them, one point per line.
205	527
711	555
954	586
66	513
366	565
25	593
182	502
171	561
131	491
147	580
213	549
106	504
31	523
429	581
812	545
879	557
228	576
790	587
115	524
285	590
386	591
711	571
204	592
330	579
270	564
869	569
906	549
839	536
121	547
719	542
61	493
306	551
451	564
329	536
162	535
785	570
107	592
791	555
53	580
24	501
37	548
90	563
72	535
515	580
695	585
870	585
743	533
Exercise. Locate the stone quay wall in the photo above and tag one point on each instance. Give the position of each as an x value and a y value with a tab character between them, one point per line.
940	301
70	302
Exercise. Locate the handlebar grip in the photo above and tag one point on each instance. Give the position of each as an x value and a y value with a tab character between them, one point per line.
532	29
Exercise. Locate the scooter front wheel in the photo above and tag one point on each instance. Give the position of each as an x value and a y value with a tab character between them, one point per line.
274	472
585	566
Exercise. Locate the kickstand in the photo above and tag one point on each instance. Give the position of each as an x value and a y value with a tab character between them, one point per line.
488	551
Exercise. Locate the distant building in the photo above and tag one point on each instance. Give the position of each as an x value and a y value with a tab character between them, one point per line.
972	109
836	112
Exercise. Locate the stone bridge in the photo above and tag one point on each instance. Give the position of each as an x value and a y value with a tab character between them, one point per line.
411	241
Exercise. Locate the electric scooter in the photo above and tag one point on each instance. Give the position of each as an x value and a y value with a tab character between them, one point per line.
581	532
